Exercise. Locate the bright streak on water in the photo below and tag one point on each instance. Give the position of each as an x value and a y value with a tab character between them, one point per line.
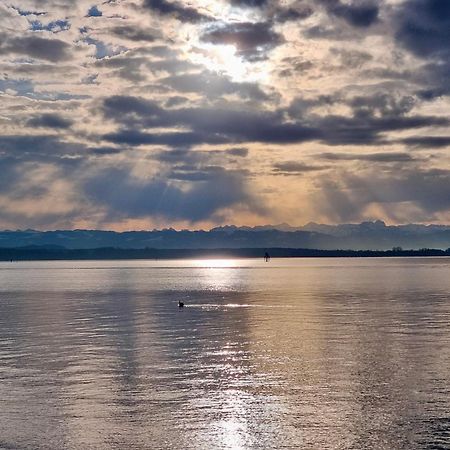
304	353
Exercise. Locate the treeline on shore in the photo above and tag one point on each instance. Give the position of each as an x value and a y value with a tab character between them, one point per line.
47	254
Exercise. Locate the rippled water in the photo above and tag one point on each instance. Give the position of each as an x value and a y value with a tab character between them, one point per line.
305	353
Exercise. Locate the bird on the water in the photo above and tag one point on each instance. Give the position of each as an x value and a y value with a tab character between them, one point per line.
180	304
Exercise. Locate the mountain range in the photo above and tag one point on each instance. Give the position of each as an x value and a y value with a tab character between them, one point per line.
364	236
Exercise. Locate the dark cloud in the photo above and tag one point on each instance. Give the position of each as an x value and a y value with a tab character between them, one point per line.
238	151
366	130
249	3
296	168
382	105
427	141
213	85
245	126
28	150
176	10
208	125
101	151
176	100
126	196
333	32
358	13
382	157
209	173
135	111
162	51
423	27
171	139
134	33
177	155
283	15
135	67
21	146
252	40
216	125
185	158
11	174
433	79
49	121
53	50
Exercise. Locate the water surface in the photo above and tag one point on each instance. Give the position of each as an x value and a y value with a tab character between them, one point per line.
295	353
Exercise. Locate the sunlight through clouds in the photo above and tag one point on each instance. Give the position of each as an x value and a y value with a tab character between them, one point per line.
316	95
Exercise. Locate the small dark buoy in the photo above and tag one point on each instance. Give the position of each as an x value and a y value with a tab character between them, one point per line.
180	304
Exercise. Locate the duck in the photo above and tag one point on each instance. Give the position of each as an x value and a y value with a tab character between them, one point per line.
180	304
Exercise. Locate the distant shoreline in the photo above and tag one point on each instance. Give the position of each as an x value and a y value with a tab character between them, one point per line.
60	254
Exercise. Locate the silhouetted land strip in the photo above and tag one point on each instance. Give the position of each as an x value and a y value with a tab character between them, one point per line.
47	254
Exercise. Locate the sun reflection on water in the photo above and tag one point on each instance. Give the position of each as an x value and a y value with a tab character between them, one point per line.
233	429
216	263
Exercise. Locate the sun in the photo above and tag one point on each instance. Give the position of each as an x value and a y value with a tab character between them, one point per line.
225	60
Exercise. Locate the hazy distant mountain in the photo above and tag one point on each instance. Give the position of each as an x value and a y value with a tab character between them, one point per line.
367	235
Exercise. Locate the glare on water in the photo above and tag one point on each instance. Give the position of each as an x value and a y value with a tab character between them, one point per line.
304	353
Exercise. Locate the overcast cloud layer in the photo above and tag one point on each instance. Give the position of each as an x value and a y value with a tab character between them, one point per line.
154	113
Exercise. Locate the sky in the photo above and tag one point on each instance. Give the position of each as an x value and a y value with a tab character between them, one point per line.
146	114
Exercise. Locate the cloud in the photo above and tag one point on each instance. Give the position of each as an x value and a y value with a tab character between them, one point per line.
296	168
249	3
367	130
358	14
173	139
252	40
351	58
238	151
382	105
213	85
427	141
49	121
347	196
176	10
53	50
39	146
213	125
216	125
124	195
176	100
423	27
283	15
134	33
382	157
323	96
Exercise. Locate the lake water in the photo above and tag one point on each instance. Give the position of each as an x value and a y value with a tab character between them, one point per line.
305	353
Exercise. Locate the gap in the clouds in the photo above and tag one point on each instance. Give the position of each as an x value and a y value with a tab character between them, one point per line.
103	50
55	26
